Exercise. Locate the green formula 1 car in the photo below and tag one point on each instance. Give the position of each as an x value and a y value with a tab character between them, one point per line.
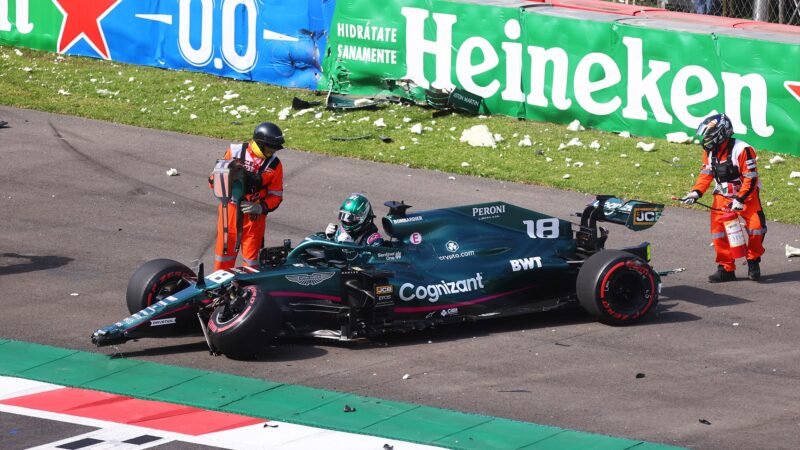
440	266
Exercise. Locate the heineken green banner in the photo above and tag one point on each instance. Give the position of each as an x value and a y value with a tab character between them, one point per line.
533	62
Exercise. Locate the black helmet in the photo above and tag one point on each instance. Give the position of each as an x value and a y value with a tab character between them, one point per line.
714	131
268	135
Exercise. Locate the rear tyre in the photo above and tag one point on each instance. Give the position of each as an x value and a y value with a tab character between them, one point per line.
242	328
616	287
154	281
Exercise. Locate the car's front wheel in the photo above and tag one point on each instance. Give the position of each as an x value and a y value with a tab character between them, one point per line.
242	327
617	287
154	281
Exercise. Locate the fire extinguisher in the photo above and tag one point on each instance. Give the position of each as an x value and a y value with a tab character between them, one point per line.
735	233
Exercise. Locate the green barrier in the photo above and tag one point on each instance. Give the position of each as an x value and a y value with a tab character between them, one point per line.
30	23
539	64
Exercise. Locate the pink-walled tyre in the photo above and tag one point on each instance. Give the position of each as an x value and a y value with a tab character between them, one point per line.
618	288
154	281
242	328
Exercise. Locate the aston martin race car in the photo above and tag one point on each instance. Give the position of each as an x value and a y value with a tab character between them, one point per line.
440	266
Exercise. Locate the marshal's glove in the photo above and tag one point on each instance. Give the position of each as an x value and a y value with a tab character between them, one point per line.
690	198
736	205
252	208
331	230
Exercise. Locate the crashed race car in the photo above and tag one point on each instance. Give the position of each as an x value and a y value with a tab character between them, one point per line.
437	267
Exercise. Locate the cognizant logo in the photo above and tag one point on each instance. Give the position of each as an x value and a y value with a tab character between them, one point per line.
432	292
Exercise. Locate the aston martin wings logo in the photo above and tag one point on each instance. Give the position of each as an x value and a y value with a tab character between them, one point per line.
309	279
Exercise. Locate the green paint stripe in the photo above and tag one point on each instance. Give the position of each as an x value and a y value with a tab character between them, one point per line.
290	403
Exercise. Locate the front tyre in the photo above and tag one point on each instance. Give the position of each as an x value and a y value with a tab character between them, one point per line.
154	281
242	327
616	287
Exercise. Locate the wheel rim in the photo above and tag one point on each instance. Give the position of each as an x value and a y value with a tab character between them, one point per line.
168	288
626	293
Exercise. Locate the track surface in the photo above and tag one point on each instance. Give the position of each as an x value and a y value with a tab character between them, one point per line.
84	203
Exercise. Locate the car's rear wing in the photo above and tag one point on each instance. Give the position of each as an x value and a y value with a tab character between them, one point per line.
634	214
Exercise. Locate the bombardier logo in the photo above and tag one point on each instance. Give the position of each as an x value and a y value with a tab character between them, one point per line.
432	292
311	279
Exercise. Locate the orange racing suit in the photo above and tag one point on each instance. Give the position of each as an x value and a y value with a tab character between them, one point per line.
269	193
733	168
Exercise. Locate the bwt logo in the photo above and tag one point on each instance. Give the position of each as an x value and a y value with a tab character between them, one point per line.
518	265
643	216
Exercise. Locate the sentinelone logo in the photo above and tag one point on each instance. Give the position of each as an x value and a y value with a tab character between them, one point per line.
432	292
638	85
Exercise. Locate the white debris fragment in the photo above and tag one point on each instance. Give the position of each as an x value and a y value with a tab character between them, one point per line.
17	52
107	92
406	119
577	164
402	147
562	146
230	95
74	294
597	163
736	324
27	69
566	176
452	128
769	203
777	159
675	159
187	81
768	166
498	137
406	376
303	112
428	129
594	145
284	113
623	155
318	115
637	165
575	125
464	164
131	79
363	102
417	128
478	136
193	116
625	134
568	160
172	172
379	123
679	137
63	92
548	159
794	175
451	178
646	147
525	142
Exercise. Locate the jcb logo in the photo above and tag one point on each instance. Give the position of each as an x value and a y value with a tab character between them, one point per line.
644	216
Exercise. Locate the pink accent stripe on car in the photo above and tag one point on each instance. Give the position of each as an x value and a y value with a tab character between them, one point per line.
332	298
456	305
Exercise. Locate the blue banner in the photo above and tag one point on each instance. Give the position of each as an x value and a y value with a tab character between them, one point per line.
271	41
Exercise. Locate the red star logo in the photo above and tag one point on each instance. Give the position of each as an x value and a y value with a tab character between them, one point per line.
794	88
82	20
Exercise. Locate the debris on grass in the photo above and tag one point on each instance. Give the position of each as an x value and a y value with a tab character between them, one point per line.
646	147
625	134
794	174
464	164
525	142
777	159
575	125
478	136
566	176
594	145
679	137
284	113
416	128
379	123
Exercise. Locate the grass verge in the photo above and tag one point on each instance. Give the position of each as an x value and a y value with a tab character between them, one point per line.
198	103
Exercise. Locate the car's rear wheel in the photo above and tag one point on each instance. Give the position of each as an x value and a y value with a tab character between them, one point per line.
242	327
617	287
154	281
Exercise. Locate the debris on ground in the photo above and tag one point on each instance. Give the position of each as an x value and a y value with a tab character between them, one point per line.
406	376
350	138
284	113
4	124
705	422
478	136
379	123
791	175
74	294
172	172
625	134
416	128
640	375
575	125
348	408
300	104
646	147
777	159
679	137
